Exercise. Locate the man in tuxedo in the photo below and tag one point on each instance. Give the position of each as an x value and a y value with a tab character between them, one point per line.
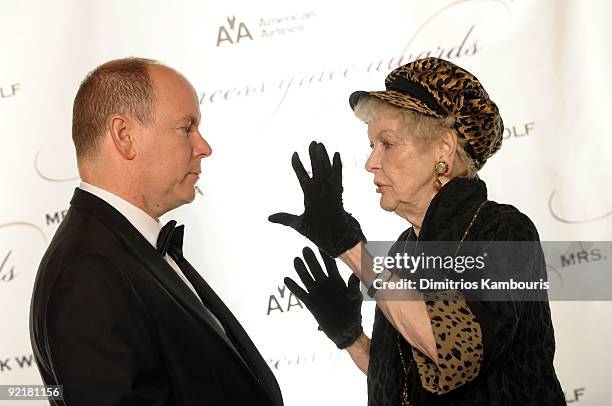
118	315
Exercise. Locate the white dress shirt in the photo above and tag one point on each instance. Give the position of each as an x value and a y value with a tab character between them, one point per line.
145	224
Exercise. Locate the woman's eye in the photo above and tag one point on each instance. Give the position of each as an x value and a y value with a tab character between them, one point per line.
385	145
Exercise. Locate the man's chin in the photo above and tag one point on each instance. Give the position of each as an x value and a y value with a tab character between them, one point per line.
190	196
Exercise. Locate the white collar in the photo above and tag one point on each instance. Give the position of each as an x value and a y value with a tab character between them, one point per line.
145	224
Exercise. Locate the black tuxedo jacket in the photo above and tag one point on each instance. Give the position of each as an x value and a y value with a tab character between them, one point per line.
113	323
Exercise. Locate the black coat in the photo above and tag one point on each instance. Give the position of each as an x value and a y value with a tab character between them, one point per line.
491	353
113	323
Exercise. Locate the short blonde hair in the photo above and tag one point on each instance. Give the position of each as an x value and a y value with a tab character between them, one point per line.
424	128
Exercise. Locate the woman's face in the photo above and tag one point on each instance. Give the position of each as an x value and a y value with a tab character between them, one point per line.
402	166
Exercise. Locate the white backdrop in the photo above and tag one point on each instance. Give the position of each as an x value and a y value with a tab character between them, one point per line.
274	75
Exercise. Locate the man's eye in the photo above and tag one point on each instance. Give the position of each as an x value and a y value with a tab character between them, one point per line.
371	145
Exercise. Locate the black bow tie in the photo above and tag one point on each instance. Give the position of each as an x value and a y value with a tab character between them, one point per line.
170	240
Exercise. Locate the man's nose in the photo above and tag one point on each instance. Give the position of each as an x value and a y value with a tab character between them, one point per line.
201	147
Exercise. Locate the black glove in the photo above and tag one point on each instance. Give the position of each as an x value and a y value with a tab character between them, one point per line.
324	221
335	306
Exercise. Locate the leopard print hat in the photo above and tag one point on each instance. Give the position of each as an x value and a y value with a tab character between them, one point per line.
438	88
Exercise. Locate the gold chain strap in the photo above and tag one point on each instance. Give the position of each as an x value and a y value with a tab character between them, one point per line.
469	227
406	369
405	400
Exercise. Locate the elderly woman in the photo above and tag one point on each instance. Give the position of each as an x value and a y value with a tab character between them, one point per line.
430	131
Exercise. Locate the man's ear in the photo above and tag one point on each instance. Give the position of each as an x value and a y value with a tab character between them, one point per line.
122	132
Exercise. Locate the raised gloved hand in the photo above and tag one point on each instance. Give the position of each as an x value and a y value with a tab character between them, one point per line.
335	306
324	221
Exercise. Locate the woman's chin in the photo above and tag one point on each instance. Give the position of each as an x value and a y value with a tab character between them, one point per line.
387	205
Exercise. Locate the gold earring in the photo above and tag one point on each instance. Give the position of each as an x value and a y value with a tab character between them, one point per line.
440	168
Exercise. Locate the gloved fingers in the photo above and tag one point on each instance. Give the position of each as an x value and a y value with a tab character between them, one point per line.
285	219
330	265
298	167
313	264
354	291
297	291
315	162
337	167
303	273
324	158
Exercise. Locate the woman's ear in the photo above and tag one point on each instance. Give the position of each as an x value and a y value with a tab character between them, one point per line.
447	149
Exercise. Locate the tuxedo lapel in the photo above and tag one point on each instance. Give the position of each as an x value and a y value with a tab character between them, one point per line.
234	329
149	257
